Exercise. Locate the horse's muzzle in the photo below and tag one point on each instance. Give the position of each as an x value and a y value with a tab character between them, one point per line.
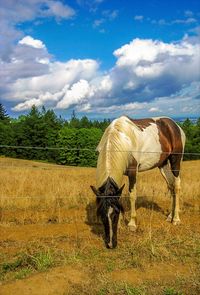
112	245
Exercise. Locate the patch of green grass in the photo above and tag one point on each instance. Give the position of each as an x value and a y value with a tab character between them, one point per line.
110	266
130	290
25	264
11	266
171	291
42	260
22	273
125	289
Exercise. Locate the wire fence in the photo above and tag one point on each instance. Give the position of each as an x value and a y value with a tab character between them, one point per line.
61	167
91	149
51	166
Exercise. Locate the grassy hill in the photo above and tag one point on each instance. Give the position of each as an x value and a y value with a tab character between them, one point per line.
50	237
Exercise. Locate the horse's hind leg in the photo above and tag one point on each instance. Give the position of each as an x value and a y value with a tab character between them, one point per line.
171	175
175	161
132	190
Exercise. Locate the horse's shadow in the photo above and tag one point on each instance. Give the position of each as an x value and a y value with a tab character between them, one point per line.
97	226
92	220
143	202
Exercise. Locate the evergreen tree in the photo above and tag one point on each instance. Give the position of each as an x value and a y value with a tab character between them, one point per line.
51	125
87	141
3	114
67	139
192	132
85	123
74	122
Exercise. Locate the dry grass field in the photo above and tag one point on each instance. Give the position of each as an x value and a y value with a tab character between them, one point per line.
50	242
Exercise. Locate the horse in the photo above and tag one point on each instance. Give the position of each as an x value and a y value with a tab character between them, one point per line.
129	146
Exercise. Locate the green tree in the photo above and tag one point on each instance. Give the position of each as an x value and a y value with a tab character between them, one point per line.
51	125
67	141
6	132
88	140
192	146
3	114
6	139
79	146
85	123
30	132
74	122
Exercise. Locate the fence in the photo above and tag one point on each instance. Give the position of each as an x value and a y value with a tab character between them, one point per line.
50	207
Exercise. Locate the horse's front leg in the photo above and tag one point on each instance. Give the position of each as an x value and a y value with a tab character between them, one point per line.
132	190
175	202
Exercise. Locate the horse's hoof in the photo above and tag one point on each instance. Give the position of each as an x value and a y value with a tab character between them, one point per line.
176	222
132	228
169	218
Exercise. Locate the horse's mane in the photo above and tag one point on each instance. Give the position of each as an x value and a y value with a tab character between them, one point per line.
115	150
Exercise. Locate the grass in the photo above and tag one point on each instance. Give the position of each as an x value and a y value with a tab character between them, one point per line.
48	220
171	291
25	264
122	288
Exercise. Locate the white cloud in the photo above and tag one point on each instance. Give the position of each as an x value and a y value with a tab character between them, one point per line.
58	10
107	15
110	14
29	41
105	84
98	22
149	71
148	51
63	84
189	13
76	94
138	17
127	108
13	12
42	99
149	77
189	20
154	109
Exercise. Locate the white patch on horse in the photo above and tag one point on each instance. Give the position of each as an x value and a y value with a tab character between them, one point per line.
110	211
149	147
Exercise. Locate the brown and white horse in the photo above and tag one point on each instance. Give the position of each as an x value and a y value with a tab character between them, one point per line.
127	147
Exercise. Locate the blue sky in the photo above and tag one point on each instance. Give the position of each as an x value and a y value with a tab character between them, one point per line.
101	58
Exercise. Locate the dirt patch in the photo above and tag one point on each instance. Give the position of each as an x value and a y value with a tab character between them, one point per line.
17	216
30	232
54	282
15	239
160	272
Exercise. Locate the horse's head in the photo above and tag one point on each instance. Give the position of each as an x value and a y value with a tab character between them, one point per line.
108	208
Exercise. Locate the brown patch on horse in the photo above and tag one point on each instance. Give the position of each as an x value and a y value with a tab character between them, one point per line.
142	123
171	143
131	170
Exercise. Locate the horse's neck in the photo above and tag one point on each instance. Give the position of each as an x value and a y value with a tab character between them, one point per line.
115	150
112	163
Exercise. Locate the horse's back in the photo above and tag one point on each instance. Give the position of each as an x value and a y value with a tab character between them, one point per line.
157	138
170	134
150	140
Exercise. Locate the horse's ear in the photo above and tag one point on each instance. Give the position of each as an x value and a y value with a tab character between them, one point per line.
95	191
120	190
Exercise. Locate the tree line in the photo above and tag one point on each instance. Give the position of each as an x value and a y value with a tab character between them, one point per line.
70	142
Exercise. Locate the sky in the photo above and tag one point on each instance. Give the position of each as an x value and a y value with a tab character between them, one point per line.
101	58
